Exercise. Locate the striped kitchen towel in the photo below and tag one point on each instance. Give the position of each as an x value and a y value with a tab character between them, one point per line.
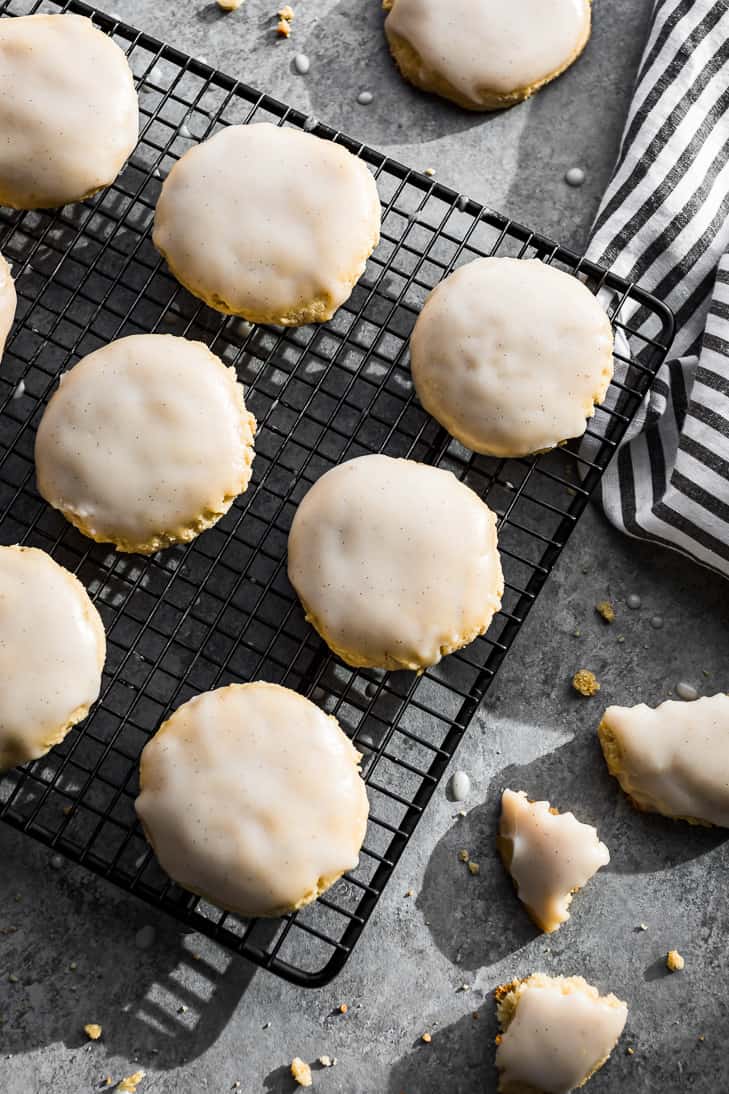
664	221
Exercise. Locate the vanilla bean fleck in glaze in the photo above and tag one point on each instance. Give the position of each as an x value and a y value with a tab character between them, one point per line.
69	116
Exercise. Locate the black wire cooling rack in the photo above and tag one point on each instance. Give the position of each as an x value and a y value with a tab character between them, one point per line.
221	609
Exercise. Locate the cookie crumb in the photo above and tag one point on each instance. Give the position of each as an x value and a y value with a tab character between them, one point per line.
327	1061
630	1051
283	28
93	1031
229	5
429	171
286	13
475	1016
701	1037
474	868
426	1038
130	1083
674	961
410	892
343	1008
585	682
301	1072
642	926
606	610
463	856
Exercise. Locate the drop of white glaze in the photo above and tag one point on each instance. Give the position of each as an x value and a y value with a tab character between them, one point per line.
657	622
462	203
145	937
460	786
302	64
370	690
365	98
633	601
575	176
185	132
56	862
20	390
309	124
686	691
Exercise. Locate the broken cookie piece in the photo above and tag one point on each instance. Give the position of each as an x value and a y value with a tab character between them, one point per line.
673	759
556	1033
550	855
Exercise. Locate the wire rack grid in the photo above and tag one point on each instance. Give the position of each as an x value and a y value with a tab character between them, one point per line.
220	609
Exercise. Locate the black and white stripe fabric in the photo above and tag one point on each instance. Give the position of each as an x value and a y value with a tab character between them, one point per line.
664	221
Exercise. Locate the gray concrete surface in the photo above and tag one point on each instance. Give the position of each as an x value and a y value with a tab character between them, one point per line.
196	1020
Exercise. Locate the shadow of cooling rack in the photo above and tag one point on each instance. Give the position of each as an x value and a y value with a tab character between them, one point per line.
221	609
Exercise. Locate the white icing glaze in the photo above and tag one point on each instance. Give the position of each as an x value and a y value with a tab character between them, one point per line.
251	796
52	649
548	855
144	438
561	1031
511	355
498	47
68	110
267	222
396	562
8	301
673	759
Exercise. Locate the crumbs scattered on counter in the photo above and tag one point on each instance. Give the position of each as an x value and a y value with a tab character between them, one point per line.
474	868
426	1038
327	1061
606	610
93	1031
130	1083
642	926
463	856
429	171
343	1008
674	961
301	1072
229	5
585	682
285	15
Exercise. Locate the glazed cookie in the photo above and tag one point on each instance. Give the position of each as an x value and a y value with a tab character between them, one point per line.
673	759
52	650
557	1032
395	562
511	356
145	443
68	110
251	796
8	301
550	855
269	223
485	55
